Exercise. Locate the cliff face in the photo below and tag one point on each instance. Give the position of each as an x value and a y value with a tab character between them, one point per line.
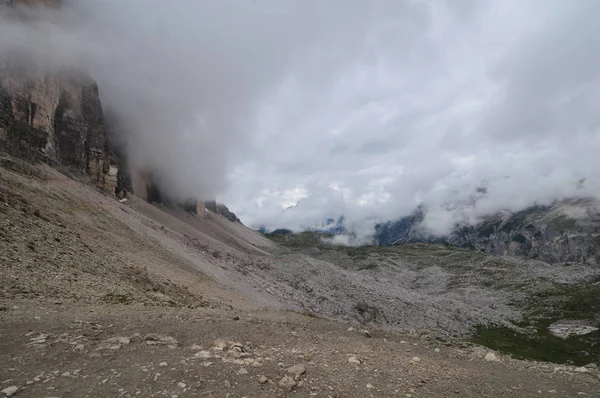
55	117
220	208
567	231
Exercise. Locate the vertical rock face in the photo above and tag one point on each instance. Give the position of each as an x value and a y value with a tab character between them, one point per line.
55	117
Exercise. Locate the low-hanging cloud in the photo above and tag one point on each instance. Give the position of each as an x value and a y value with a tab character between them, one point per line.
181	79
436	100
354	108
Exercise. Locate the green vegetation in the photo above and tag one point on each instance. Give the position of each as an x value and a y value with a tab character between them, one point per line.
543	308
543	304
564	223
541	345
307	239
520	238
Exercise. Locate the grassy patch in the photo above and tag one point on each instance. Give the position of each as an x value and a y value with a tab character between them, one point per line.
543	308
541	345
564	223
520	238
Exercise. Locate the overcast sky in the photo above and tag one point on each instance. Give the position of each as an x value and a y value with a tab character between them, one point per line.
355	107
422	101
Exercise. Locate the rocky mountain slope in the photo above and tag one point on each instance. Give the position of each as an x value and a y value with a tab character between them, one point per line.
104	298
54	115
566	231
56	118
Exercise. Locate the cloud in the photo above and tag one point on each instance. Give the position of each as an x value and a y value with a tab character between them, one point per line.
182	78
365	109
435	98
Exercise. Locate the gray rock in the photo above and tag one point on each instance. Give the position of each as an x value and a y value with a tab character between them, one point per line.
296	370
287	383
119	340
354	360
9	391
491	357
155	339
262	380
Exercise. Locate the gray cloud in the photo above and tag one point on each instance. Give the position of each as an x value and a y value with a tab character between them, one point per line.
438	97
344	107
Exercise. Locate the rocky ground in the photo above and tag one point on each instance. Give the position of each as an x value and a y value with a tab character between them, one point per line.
101	298
51	350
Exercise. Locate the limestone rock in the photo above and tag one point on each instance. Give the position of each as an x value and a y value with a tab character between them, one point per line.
9	391
154	339
119	340
354	360
491	357
296	370
287	383
263	380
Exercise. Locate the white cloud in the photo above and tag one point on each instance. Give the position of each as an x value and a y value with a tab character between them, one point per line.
436	98
346	107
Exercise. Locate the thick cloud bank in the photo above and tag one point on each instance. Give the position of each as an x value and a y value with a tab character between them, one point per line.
360	108
434	100
183	79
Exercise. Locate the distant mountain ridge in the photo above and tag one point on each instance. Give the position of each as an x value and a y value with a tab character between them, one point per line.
566	231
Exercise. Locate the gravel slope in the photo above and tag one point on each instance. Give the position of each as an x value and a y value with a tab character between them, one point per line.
73	258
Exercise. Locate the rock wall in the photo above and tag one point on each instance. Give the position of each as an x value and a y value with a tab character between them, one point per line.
54	117
566	231
221	209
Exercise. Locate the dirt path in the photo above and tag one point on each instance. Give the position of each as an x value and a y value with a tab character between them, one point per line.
66	351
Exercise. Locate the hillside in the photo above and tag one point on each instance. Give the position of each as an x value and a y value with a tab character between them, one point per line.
565	231
111	285
90	284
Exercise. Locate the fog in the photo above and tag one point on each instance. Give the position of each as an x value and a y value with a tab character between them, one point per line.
292	112
183	79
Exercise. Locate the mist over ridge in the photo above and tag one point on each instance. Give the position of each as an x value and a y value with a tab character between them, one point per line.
360	109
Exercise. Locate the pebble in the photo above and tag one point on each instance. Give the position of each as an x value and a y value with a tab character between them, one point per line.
354	360
296	370
9	391
162	364
203	354
415	360
491	357
287	383
370	386
242	371
119	340
182	385
154	339
262	380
